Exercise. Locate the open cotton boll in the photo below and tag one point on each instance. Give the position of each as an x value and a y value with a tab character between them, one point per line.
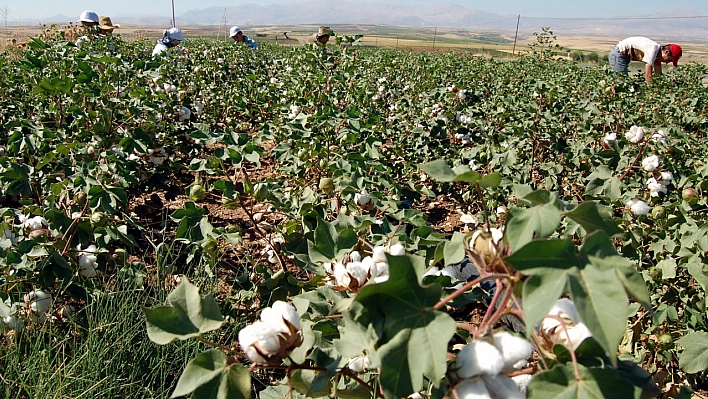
259	341
359	364
576	335
638	207
522	381
341	275
565	309
610	137
502	387
635	134
379	254
358	272
514	350
478	357
650	163
355	256
472	389
397	250
38	301
278	314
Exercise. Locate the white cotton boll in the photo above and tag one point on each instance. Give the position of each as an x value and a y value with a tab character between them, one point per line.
512	348
655	187
382	272
341	275
659	137
565	309
397	250
502	387
359	364
576	334
273	80
87	261
638	207
375	97
462	94
610	137
635	134
329	268
355	256
369	265
479	357
459	136
472	389
379	254
259	338
650	163
501	210
39	301
358	272
198	107
473	165
667	177
522	381
278	314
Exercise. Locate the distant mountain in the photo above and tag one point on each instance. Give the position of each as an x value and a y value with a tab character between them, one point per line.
662	27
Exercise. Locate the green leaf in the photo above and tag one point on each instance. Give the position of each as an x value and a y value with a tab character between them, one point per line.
594	383
212	375
694	357
415	336
668	269
188	315
592	216
538	255
523	223
602	305
539	293
323	248
454	250
699	272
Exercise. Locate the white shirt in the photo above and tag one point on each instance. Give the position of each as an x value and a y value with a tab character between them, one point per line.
649	47
159	49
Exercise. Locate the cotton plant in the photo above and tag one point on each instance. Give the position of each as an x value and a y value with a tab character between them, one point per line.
355	271
294	111
271	339
571	331
481	367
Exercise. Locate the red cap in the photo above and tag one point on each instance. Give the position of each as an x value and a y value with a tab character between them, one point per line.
676	52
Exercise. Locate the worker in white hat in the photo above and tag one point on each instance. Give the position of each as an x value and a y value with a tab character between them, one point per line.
239	37
89	18
170	38
89	22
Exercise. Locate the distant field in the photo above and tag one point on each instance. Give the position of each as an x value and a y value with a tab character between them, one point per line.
409	38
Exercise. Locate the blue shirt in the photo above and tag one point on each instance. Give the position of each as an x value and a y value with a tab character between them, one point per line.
250	42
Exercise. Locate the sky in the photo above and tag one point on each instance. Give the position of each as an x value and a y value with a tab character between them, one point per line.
17	10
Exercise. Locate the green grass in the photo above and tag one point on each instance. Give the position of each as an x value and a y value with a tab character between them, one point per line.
103	353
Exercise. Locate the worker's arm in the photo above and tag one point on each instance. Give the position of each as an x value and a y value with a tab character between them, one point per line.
647	73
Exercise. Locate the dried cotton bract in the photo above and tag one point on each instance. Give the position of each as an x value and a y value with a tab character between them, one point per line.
271	339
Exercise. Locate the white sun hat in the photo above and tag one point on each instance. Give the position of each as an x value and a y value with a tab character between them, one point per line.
175	34
88	16
234	30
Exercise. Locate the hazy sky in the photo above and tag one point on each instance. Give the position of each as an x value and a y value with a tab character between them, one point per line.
23	9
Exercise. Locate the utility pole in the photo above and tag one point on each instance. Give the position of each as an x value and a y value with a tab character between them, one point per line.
4	12
435	34
516	34
174	24
223	23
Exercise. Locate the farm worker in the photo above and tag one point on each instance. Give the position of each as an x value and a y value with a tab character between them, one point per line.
323	34
640	49
170	38
106	25
239	37
88	18
89	21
